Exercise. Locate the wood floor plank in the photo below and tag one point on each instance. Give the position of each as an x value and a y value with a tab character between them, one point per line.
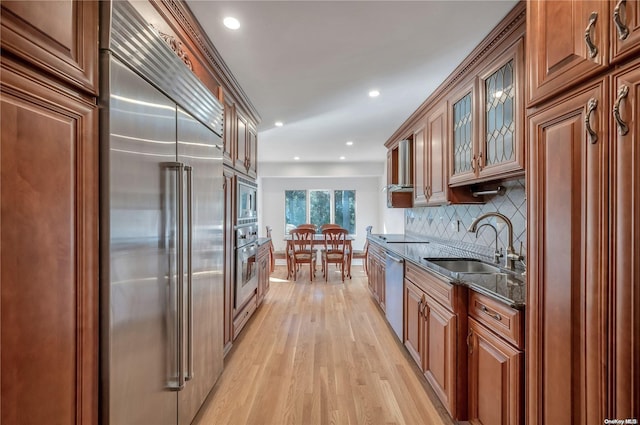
319	353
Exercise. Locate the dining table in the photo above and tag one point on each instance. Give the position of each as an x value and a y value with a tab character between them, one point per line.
318	243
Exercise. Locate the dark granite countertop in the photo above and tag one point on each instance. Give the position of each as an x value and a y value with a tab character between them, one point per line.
506	287
262	241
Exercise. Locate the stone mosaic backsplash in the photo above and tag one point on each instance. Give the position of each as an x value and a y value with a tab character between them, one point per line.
450	222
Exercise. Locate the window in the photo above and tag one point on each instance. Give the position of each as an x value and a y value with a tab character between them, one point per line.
295	208
320	207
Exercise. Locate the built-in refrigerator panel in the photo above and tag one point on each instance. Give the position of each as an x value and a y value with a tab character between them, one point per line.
140	123
198	150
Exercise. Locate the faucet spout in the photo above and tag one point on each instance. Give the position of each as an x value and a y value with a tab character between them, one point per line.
511	256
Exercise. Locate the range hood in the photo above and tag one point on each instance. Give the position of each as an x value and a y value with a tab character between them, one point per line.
403	181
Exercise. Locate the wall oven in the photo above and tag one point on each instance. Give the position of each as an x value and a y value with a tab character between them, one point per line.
246	266
246	202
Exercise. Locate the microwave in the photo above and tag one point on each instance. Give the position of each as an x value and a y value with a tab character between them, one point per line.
246	202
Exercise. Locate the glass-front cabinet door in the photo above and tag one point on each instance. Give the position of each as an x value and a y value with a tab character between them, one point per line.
486	122
463	140
501	92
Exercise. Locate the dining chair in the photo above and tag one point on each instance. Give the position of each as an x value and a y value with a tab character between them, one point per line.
302	251
335	250
362	254
308	226
330	226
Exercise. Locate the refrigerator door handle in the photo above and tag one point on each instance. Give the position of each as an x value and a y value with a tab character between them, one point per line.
179	199
189	171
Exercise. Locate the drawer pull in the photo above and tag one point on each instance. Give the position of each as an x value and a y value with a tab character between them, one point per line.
593	49
490	313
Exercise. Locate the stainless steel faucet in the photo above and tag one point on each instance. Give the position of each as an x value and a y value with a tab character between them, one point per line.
497	254
511	257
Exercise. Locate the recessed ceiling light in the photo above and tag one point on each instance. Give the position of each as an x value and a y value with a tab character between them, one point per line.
279	124
342	158
374	93
296	158
349	143
231	23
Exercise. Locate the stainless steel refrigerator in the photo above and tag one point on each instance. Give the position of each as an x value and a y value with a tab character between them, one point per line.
161	229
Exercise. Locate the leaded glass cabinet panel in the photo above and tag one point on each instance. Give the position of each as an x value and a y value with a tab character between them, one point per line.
463	125
500	151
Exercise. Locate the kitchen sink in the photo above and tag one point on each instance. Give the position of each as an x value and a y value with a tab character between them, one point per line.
464	265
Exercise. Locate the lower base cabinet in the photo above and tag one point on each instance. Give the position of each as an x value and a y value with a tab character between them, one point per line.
431	335
264	267
377	272
495	378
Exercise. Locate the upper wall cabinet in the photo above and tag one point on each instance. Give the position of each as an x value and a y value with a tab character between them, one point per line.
229	131
626	29
471	129
570	41
240	140
59	37
486	121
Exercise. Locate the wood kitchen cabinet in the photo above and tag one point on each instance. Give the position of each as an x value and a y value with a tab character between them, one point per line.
495	378
252	154
496	362
229	132
430	170
376	265
486	121
570	41
432	335
241	143
439	356
229	257
414	299
624	275
567	194
59	38
264	267
49	212
625	30
49	239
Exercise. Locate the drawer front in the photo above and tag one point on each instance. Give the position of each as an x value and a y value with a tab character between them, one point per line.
437	288
500	318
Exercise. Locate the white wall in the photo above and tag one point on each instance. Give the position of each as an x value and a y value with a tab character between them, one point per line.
271	202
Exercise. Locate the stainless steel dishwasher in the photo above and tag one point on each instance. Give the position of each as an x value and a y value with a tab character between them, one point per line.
394	292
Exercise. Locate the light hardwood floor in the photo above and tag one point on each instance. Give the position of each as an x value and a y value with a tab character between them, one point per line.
319	353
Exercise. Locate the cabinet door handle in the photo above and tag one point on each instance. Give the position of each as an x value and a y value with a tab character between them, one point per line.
623	30
485	310
623	128
469	344
473	164
480	161
591	106
593	49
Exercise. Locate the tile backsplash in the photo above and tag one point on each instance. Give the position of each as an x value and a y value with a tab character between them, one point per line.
451	222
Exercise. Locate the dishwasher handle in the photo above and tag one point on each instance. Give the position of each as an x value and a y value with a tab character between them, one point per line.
396	259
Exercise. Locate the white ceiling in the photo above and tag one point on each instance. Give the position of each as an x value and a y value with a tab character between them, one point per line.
311	64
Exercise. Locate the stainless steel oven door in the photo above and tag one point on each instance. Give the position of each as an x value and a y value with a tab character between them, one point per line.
246	273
